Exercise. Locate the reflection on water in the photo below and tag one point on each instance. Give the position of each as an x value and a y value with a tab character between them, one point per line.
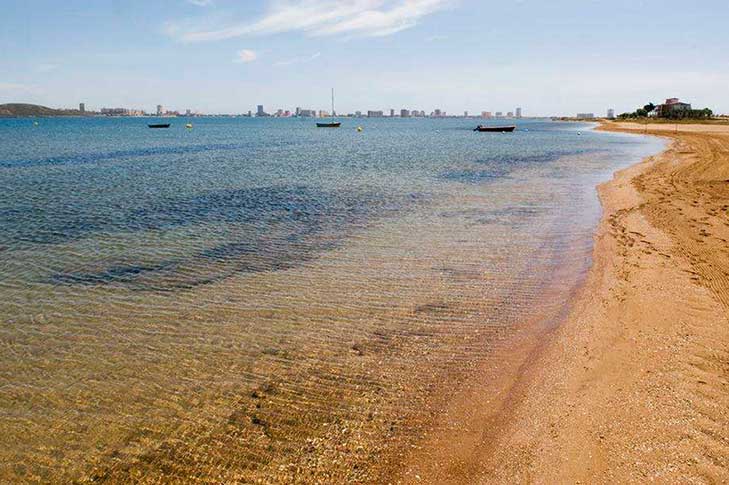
258	299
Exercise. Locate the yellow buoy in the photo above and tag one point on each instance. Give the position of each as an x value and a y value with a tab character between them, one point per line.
189	125
359	128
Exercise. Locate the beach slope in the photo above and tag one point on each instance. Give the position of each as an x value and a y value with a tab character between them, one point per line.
634	385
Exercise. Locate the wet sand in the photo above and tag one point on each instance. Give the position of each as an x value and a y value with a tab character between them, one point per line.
633	385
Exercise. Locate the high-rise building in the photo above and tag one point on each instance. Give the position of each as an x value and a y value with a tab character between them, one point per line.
188	112
375	114
404	113
510	114
465	114
82	107
392	113
298	111
437	113
160	110
499	114
486	114
259	111
611	114
518	112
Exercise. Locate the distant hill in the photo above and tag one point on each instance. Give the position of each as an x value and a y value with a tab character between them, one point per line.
21	109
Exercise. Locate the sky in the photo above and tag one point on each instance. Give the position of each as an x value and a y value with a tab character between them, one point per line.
550	57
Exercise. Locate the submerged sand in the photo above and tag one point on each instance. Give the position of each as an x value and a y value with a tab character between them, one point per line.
633	385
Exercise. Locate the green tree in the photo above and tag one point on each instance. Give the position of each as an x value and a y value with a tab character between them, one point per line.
649	107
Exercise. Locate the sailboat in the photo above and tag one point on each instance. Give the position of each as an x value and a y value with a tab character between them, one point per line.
330	124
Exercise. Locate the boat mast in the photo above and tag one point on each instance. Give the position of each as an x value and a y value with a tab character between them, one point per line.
332	101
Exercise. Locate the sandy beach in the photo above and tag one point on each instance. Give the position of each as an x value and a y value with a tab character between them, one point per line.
633	385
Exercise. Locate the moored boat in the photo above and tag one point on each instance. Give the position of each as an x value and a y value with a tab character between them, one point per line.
495	129
159	125
330	124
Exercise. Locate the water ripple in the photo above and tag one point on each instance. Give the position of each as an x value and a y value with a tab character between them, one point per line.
125	155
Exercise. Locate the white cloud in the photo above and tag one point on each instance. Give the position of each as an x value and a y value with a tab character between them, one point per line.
298	60
246	55
369	18
385	21
201	3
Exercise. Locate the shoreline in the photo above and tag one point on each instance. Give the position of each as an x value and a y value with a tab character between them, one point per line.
632	385
283	376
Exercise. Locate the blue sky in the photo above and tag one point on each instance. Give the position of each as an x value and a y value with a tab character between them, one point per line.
548	56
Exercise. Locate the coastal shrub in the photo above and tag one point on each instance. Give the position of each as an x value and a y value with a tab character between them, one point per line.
694	114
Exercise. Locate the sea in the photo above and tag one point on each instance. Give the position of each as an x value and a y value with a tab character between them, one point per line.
261	301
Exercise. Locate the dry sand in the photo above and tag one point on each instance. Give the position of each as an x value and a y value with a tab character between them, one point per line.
633	386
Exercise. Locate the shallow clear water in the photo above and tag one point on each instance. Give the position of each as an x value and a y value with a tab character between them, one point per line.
222	302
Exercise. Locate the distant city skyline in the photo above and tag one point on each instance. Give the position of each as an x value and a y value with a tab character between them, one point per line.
226	56
297	112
